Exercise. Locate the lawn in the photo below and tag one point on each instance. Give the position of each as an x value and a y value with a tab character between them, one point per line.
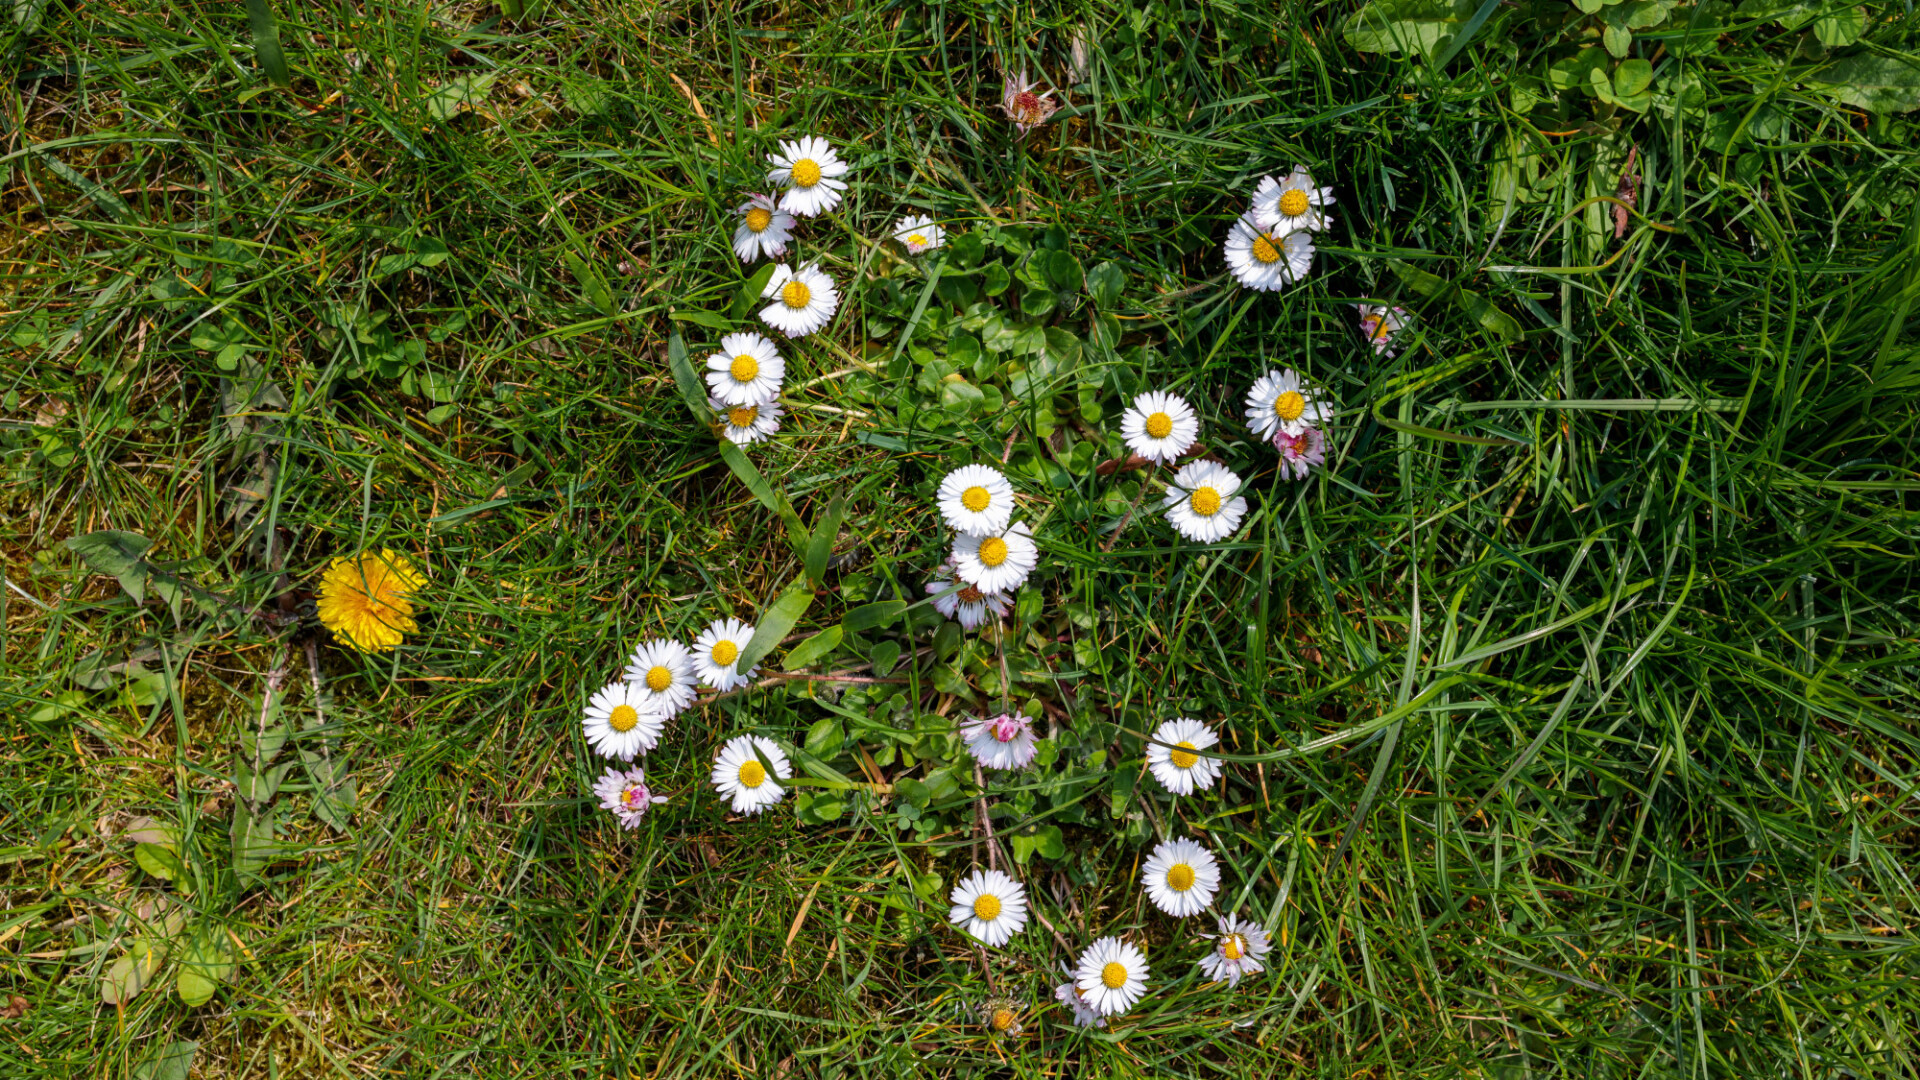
1567	714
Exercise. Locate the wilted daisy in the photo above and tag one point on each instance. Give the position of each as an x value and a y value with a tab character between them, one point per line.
919	234
1379	323
367	600
1300	454
996	563
662	671
626	794
810	169
969	606
1159	426
1074	998
1181	877
1236	951
746	371
1201	503
1279	402
976	500
803	300
740	776
1265	261
1001	1016
620	723
989	905
764	228
1025	108
1112	975
1175	764
716	650
1284	206
745	425
1000	742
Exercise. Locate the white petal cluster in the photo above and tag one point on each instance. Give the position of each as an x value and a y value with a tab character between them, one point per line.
1181	877
919	234
989	905
1159	426
741	775
1271	245
804	300
1112	976
1236	951
1201	503
1171	758
810	170
661	674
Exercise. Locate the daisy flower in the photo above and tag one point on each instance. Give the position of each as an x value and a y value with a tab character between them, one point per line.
1175	765
989	905
1073	998
1266	261
367	600
746	371
976	500
1300	454
1236	951
1279	402
996	563
803	300
1112	976
661	672
764	228
970	607
715	651
744	425
919	234
1159	426
1025	108
1181	877
1001	1016
1379	323
1201	503
1292	204
810	169
1000	742
626	794
739	775
621	723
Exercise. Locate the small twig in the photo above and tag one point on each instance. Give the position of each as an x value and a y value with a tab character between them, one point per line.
986	822
1114	536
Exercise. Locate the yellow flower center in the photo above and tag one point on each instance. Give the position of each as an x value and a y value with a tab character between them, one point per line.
743	416
1293	202
623	717
745	368
752	774
1264	250
1180	877
806	172
1002	1019
1182	758
658	678
1233	946
975	498
1206	503
1289	406
1159	425
917	240
986	906
795	294
1114	975
759	218
725	653
993	551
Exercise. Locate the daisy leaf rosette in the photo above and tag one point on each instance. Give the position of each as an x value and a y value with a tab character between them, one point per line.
990	906
1291	204
810	170
1111	976
748	771
764	229
804	300
1181	877
996	563
1280	401
1159	426
1171	759
746	371
976	500
1201	503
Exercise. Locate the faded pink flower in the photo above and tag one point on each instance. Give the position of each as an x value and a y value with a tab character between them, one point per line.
1025	108
1300	454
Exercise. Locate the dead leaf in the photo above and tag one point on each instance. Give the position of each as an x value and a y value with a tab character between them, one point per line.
16	1008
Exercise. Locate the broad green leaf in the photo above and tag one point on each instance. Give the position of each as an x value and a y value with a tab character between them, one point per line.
873	616
820	545
171	1062
134	971
1840	28
1576	72
595	286
430	252
120	554
775	623
692	391
750	291
824	737
1485	312
773	500
266	43
206	962
253	839
814	649
883	656
334	794
444	102
1423	28
159	861
1874	81
1105	283
710	319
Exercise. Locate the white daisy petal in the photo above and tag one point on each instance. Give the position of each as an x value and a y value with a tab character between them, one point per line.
804	300
1181	877
1292	204
1264	261
976	500
745	425
717	649
1111	976
1159	426
746	371
739	775
1201	503
1236	951
996	563
990	906
1280	402
919	234
661	672
1177	769
810	171
764	229
1083	1015
621	722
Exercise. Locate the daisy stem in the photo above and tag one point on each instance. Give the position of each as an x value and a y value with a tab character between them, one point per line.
986	821
1128	517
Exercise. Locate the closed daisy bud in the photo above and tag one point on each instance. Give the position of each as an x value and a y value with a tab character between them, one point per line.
1236	951
1291	204
716	651
1172	759
1159	426
809	170
621	723
804	300
976	500
919	234
740	775
764	229
1112	976
1267	261
996	563
626	795
990	906
1181	877
1000	742
661	673
746	371
744	425
1281	402
1201	503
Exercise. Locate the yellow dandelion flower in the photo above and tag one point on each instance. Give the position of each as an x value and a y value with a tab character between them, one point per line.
365	600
